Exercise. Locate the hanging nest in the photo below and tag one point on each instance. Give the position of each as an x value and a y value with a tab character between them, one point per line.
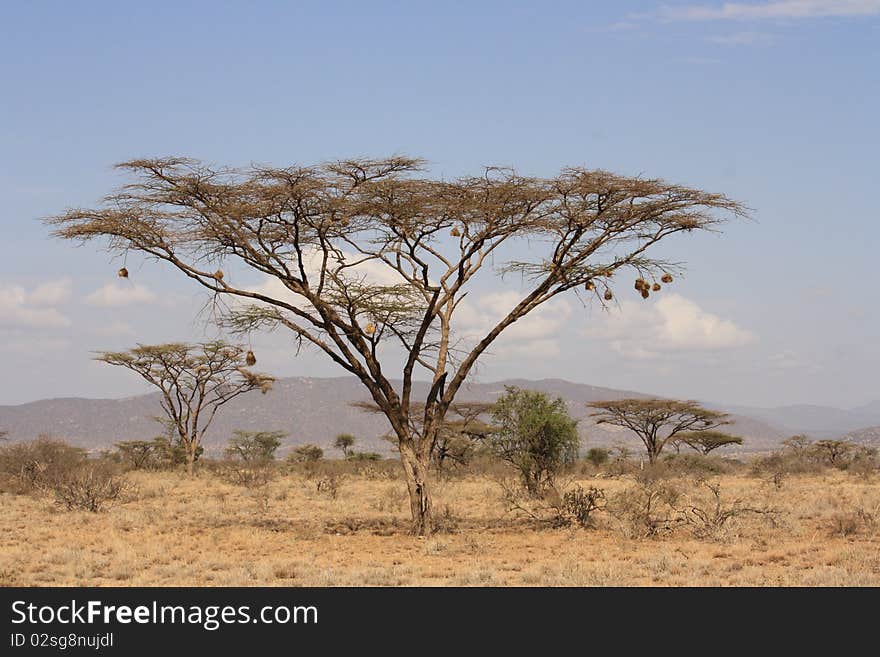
640	284
218	274
250	359
608	296
122	273
645	293
656	287
370	328
607	273
589	286
455	232
666	278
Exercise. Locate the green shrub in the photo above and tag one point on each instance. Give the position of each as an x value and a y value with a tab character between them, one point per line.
598	455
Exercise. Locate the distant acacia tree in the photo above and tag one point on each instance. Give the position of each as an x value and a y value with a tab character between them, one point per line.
707	441
344	442
461	426
251	446
465	425
137	454
834	452
372	260
195	380
657	422
307	453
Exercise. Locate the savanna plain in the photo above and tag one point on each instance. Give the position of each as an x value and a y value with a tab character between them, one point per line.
702	522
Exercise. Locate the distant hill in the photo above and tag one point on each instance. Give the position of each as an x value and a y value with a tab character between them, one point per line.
817	421
870	436
311	410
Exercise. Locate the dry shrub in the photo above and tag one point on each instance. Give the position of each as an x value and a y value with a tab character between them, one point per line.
253	474
557	506
447	521
578	505
27	467
646	509
89	487
329	485
857	521
374	472
708	517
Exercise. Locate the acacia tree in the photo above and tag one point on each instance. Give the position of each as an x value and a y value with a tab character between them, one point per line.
254	446
344	442
833	451
461	427
657	422
370	260
706	441
195	380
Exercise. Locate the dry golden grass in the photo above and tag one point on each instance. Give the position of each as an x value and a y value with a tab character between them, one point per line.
205	532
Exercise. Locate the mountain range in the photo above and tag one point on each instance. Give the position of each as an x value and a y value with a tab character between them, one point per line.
315	410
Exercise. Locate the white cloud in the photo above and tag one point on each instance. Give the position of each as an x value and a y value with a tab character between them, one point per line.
534	335
670	324
114	295
51	293
774	10
20	309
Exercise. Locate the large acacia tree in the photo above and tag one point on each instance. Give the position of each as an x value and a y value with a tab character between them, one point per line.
369	259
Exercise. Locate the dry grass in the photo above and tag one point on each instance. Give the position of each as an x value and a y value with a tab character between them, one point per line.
206	532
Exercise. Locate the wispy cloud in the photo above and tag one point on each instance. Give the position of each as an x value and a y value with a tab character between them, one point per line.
742	39
114	295
51	293
22	309
780	9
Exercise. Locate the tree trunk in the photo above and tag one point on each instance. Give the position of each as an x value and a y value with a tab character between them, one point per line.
190	459
416	470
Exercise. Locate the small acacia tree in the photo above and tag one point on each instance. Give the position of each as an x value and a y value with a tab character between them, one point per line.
252	446
833	452
707	441
535	435
307	453
195	381
371	261
657	422
344	442
137	454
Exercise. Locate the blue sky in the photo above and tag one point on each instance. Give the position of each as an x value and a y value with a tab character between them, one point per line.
773	103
